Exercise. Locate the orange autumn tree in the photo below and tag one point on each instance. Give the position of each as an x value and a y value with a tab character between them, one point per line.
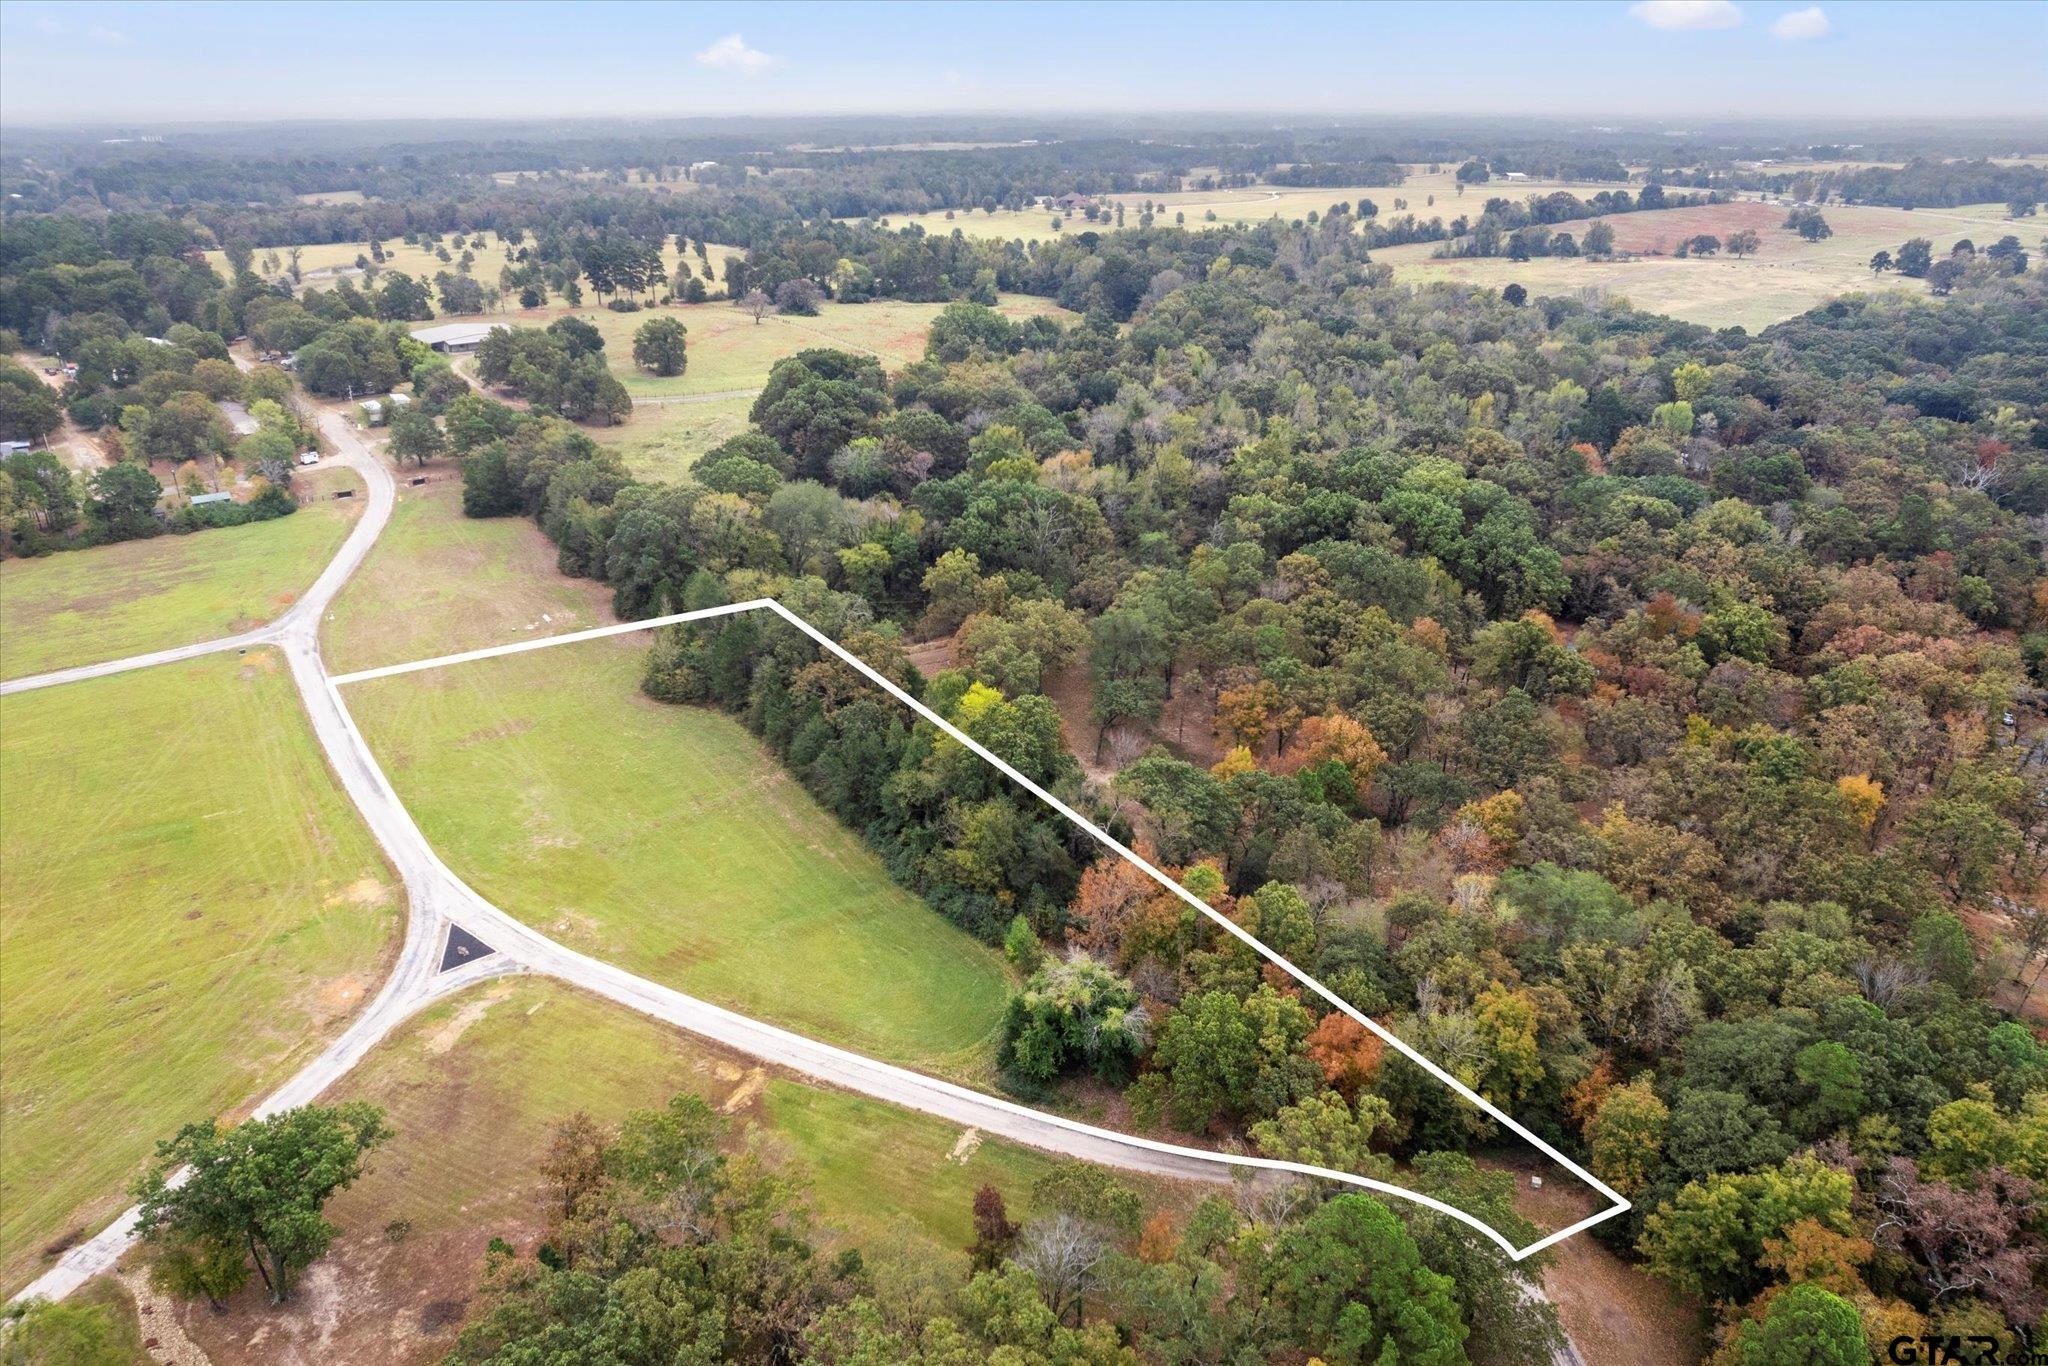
1332	736
1158	1244
1111	895
1248	714
1347	1051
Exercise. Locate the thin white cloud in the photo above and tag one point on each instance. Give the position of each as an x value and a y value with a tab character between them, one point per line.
100	33
731	53
1687	14
1800	24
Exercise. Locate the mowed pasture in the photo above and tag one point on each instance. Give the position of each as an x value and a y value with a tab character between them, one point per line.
667	840
192	910
666	440
1251	204
1786	276
111	601
438	582
474	1088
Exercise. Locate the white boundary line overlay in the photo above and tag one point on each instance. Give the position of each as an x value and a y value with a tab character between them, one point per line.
1620	1205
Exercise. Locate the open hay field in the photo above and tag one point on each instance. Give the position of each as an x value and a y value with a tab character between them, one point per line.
111	601
1785	277
1250	204
192	910
667	840
438	582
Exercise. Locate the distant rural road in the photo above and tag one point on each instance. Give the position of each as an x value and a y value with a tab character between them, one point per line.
437	899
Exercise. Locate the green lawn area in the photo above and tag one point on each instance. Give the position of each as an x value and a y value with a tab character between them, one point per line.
665	839
437	583
475	1086
111	601
664	441
192	909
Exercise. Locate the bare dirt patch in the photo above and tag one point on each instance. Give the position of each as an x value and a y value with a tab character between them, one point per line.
449	1034
1616	1314
930	656
744	1094
372	1300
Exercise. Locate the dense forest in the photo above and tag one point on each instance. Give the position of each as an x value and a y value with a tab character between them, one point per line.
1622	712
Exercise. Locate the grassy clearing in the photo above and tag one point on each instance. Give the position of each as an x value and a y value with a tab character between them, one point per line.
1252	204
730	357
729	350
664	441
438	582
1786	277
666	840
192	909
475	1086
108	602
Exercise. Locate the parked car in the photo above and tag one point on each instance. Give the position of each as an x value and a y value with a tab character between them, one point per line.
309	457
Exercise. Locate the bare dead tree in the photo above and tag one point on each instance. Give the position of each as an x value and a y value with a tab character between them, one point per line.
1062	1254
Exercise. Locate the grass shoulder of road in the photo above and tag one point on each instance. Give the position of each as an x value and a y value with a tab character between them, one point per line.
112	601
1787	276
474	1087
667	840
438	582
193	908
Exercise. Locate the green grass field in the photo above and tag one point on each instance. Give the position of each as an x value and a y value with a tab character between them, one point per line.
438	582
664	441
192	908
1784	278
666	840
108	602
476	1084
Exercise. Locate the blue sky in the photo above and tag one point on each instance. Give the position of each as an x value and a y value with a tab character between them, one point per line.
108	62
